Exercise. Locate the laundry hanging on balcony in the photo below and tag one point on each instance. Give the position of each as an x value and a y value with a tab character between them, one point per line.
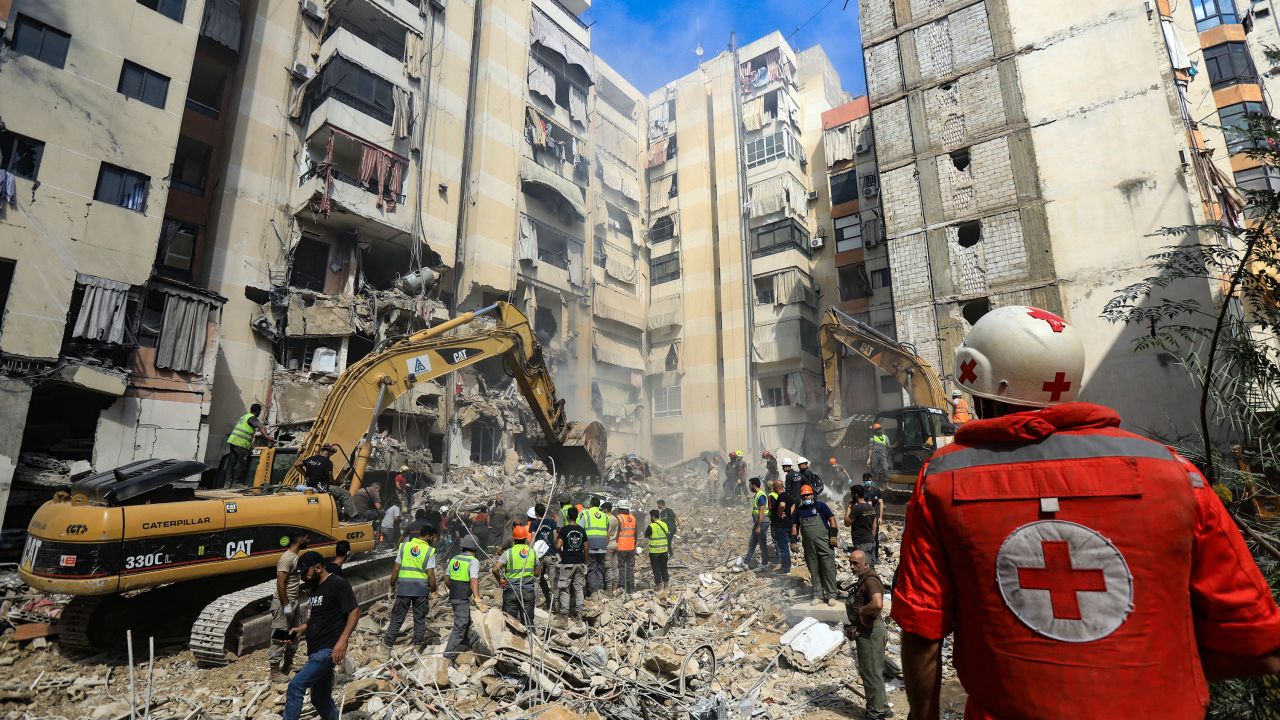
103	308
541	81
414	51
384	172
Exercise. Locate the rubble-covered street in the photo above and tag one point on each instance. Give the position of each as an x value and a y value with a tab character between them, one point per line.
709	647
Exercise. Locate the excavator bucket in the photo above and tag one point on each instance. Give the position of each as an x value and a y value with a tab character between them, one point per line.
845	432
582	454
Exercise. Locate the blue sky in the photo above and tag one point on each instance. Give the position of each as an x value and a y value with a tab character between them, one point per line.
652	43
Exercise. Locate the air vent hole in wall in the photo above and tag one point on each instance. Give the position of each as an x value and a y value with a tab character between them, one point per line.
969	234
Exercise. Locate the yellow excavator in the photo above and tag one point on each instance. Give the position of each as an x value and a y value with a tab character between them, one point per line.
147	526
914	431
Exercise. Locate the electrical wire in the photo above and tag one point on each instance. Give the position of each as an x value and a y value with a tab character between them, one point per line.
811	19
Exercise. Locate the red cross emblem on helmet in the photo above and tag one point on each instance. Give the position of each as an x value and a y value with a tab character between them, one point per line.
1055	322
1064	581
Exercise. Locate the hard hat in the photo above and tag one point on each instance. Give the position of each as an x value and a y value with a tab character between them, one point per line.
469	543
832	461
803	461
1023	356
741	454
519	532
806	490
955	393
533	514
766	454
875	426
786	461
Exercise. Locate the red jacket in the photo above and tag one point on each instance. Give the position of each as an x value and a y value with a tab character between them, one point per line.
1080	567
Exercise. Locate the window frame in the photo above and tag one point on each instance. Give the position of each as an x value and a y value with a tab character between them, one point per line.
799	238
146	85
848	235
762	288
1212	13
175	10
670	222
670	260
24	24
124	194
661	398
859	285
881	275
769	148
1235	58
1233	120
848	183
9	148
774	395
809	337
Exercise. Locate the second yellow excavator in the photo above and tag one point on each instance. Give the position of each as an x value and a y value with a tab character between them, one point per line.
147	526
914	431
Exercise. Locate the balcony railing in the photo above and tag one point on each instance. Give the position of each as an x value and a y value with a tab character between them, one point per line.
381	42
345	178
199	107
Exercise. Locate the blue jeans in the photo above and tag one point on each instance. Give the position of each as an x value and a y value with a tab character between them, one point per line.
782	543
761	539
317	674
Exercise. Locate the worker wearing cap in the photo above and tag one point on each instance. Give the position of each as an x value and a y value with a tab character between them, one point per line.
625	550
596	523
770	468
759	534
404	494
462	579
959	409
878	454
816	525
515	570
841	479
240	441
1089	572
318	471
790	481
658	535
332	616
413	579
809	477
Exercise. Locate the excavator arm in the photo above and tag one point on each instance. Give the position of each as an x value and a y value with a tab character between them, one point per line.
892	357
348	418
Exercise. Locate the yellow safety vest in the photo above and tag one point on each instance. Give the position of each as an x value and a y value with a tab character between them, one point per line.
242	434
411	581
521	560
755	504
460	576
658	537
880	439
597	523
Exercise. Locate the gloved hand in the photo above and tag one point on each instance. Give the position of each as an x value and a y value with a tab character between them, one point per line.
833	542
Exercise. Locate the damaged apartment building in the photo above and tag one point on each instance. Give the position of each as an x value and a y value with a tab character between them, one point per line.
252	195
110	333
1015	172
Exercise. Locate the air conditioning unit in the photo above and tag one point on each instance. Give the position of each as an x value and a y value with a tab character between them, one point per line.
312	9
870	242
815	243
813	196
301	71
870	190
862	148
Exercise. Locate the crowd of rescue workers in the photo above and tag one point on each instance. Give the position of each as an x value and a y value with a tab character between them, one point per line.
1023	534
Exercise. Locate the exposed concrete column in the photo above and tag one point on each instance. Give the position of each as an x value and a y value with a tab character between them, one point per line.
15	398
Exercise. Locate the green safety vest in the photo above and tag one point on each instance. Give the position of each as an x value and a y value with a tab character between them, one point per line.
657	537
564	513
521	560
880	439
411	581
597	523
460	568
242	434
755	504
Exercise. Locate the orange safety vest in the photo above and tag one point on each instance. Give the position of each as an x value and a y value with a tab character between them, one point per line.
626	533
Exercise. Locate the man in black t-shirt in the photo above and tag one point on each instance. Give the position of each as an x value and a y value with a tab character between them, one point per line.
318	469
862	522
334	613
571	571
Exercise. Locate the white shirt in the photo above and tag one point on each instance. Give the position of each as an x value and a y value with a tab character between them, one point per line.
390	516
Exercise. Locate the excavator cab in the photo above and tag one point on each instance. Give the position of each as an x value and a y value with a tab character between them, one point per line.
914	434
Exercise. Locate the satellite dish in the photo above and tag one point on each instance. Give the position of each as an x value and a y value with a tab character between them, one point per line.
698	50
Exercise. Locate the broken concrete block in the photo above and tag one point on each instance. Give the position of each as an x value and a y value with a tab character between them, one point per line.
812	639
818	610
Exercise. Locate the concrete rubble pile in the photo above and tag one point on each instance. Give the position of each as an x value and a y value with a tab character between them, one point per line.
721	643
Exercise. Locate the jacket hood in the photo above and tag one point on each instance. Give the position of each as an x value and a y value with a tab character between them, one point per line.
1035	425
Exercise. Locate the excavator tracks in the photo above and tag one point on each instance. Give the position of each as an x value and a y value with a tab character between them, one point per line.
240	622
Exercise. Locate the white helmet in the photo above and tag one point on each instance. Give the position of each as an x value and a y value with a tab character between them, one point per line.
803	461
785	461
1023	356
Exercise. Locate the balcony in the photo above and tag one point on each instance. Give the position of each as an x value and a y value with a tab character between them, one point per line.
375	51
407	12
348	96
553	149
347	193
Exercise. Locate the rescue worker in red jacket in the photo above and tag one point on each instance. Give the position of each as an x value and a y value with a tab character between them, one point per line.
1087	572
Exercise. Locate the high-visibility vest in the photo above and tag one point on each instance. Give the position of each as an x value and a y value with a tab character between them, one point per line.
414	555
657	537
597	524
242	434
521	560
564	513
460	576
626	533
881	440
755	504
